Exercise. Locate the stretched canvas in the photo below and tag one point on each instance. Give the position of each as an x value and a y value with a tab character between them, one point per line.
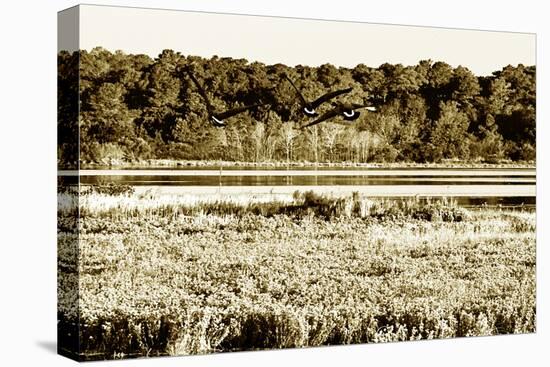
234	183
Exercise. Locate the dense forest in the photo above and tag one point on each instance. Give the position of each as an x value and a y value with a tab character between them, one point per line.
130	108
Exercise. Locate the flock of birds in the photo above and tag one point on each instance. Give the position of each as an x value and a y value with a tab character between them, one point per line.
348	111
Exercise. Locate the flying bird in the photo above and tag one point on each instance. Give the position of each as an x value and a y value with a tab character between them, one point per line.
349	111
217	117
308	108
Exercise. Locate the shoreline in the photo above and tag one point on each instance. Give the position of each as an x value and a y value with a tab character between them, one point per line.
169	163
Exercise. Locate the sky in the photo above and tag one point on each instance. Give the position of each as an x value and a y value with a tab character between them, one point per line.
298	41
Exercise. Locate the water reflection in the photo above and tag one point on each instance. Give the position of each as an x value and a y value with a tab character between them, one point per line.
484	178
300	180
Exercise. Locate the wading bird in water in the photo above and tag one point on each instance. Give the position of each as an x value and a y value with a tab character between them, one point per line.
349	111
218	118
308	108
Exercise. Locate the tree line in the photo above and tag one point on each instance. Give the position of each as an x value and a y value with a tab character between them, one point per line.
130	108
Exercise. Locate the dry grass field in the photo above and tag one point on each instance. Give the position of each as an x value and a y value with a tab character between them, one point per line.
188	278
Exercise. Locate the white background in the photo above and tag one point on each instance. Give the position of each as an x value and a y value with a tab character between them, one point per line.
28	193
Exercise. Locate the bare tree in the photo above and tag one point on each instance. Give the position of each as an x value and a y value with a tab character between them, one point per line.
271	135
234	136
315	142
288	133
258	136
331	132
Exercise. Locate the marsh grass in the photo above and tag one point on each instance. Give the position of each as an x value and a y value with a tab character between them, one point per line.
158	278
120	202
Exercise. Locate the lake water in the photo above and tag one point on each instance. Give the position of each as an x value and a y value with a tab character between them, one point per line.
469	186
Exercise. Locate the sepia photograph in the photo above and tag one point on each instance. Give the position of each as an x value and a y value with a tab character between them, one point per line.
233	183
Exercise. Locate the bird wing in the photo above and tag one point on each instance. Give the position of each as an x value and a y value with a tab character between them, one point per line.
356	106
328	96
201	92
235	111
327	115
302	99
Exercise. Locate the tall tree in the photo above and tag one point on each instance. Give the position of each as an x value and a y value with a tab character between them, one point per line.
163	96
450	137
